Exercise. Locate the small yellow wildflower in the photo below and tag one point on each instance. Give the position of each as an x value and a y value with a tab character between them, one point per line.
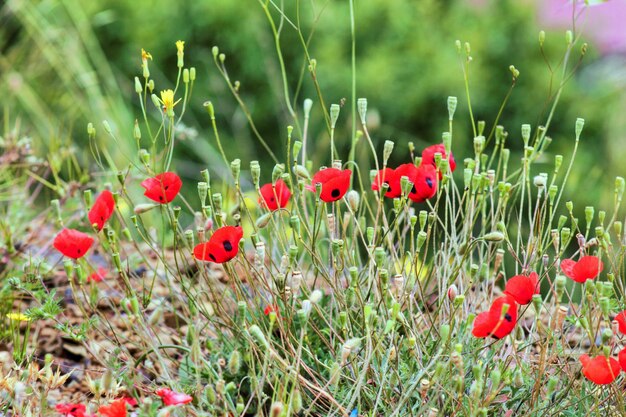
145	55
17	317
167	99
180	45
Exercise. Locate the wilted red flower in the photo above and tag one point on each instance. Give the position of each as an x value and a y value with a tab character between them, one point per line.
600	370
493	323
102	209
116	409
335	183
72	243
387	176
587	267
162	188
71	410
621	321
275	196
170	397
97	276
221	247
522	287
428	156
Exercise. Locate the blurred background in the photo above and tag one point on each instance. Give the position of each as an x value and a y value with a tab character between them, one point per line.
64	63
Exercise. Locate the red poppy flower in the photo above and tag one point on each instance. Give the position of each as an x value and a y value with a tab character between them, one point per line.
522	287
493	323
588	267
600	370
72	243
116	409
170	397
425	184
621	321
428	157
275	196
387	176
71	410
97	276
102	209
162	188
221	247
335	183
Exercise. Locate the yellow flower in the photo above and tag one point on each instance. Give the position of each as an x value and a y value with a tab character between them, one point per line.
167	99
145	55
180	45
17	317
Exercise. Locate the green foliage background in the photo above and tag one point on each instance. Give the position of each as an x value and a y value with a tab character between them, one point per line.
67	62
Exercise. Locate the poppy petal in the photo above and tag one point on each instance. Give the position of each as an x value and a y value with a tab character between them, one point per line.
600	370
386	176
102	209
116	409
162	188
221	247
170	397
275	196
567	266
425	185
428	156
335	183
482	325
588	267
522	287
72	243
493	322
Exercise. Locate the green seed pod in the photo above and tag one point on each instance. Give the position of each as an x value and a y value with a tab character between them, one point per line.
217	202
552	193
334	114
234	362
617	227
537	303
277	172
526	133
387	150
589	211
580	123
479	144
369	234
452	103
494	237
362	108
379	256
565	235
604	306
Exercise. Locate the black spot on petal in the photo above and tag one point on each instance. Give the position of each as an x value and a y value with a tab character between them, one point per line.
335	193
227	246
508	317
212	257
429	182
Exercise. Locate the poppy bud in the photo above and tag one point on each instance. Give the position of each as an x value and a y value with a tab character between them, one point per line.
353	200
421	238
302	172
452	292
263	220
294	223
334	114
369	234
186	76
518	379
192	73
607	336
494	237
69	268
143	208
